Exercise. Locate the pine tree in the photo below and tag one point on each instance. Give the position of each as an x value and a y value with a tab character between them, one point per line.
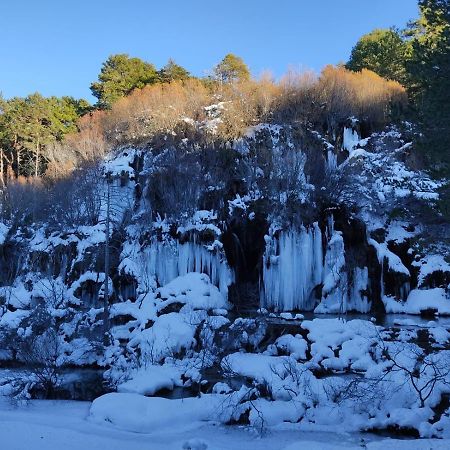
429	72
383	52
119	75
28	125
172	71
232	68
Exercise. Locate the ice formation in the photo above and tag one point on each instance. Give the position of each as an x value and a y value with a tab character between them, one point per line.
334	290
170	259
293	265
350	139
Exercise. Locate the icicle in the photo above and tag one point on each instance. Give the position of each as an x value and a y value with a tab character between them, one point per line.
318	255
334	291
405	289
168	260
357	300
330	226
331	161
292	268
350	139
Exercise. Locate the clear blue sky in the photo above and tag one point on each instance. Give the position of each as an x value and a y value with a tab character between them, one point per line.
56	47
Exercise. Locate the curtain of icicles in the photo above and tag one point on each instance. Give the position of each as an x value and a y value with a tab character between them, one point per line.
170	259
294	265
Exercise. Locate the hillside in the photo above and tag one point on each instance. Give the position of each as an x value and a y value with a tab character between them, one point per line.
209	259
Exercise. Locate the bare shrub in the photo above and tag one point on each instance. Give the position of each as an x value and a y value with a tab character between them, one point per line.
364	94
155	109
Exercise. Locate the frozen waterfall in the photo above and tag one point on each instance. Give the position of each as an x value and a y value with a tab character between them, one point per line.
293	265
170	259
298	276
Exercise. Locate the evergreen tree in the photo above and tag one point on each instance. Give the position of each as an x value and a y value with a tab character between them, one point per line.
232	68
28	125
429	72
119	75
172	71
383	52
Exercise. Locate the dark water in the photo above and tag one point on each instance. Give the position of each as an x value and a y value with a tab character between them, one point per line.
402	321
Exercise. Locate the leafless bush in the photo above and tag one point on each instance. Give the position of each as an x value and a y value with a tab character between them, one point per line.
42	356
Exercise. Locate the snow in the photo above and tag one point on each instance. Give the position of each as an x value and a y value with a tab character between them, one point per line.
151	379
429	264
397	232
350	139
195	290
394	262
295	346
3	232
12	319
420	300
201	220
119	164
168	336
53	425
170	259
133	412
16	296
253	365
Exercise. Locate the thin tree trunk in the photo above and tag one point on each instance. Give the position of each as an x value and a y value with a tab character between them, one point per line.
36	166
17	156
106	294
2	179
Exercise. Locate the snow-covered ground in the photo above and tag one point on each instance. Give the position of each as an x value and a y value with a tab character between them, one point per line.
54	425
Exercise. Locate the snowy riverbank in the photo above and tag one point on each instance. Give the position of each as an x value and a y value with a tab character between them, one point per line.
52	425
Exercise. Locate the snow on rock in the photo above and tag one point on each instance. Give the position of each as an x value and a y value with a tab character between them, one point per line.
12	319
16	296
193	289
133	412
429	265
352	338
420	300
294	346
252	365
201	220
120	164
384	254
151	379
398	232
169	334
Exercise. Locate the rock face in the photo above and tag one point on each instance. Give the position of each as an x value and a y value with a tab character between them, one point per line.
284	219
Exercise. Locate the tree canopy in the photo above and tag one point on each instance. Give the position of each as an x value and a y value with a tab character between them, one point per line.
28	125
172	72
232	68
429	73
383	52
119	75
